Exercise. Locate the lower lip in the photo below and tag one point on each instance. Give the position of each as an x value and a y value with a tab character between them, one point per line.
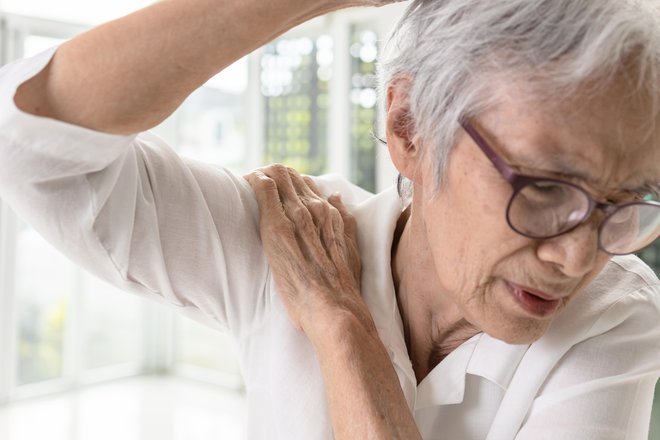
533	304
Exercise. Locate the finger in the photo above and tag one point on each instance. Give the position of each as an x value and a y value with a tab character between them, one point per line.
334	239
278	232
300	184
343	249
266	192
350	225
311	197
332	231
313	186
280	236
280	175
303	207
294	203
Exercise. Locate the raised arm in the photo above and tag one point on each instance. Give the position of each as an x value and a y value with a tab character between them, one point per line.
125	206
130	74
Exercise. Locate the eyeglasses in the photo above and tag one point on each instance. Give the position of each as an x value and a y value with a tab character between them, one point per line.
543	208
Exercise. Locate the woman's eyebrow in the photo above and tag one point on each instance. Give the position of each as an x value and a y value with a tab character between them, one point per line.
558	165
531	161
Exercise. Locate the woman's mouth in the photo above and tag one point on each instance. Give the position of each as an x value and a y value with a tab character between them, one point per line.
537	303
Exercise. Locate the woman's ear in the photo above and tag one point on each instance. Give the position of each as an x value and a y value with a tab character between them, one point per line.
400	129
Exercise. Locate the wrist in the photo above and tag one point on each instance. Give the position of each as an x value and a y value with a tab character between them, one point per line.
340	326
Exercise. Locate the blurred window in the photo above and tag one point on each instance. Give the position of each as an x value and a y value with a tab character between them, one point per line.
211	123
49	288
33	44
111	325
73	11
651	255
44	285
363	51
295	76
206	348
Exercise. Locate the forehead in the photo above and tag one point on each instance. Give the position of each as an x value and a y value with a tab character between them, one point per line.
609	139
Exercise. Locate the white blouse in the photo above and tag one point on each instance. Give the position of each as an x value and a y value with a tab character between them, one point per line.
185	233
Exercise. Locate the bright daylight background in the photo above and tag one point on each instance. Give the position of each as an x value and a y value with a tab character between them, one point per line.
80	360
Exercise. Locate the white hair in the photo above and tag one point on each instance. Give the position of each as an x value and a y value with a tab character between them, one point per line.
454	50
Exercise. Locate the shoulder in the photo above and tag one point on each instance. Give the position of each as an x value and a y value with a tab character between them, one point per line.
622	276
612	326
614	323
350	192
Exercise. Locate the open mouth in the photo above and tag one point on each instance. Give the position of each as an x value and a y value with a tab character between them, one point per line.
533	303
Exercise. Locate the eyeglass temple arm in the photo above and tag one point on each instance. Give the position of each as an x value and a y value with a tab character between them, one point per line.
501	166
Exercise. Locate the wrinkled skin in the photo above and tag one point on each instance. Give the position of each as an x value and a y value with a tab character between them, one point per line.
311	245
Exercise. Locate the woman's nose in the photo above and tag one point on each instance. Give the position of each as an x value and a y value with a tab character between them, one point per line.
575	252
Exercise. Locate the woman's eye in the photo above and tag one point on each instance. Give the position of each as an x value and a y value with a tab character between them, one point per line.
548	188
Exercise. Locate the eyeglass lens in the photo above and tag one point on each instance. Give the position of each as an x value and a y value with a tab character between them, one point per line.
630	228
545	209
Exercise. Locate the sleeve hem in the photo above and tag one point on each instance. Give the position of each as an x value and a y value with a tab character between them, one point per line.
21	128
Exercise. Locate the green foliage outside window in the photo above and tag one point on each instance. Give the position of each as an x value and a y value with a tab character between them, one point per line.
363	51
651	256
295	78
40	341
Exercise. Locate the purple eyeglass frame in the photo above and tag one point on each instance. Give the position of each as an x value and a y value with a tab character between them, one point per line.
520	181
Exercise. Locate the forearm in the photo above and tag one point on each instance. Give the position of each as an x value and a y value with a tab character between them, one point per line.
130	74
363	391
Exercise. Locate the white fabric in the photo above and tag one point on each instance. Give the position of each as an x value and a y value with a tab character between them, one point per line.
185	233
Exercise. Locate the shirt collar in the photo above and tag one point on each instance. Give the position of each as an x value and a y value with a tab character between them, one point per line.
481	355
445	384
496	360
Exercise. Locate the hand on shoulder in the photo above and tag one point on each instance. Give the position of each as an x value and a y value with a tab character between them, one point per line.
311	245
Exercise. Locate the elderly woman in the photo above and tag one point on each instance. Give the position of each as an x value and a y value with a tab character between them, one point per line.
484	301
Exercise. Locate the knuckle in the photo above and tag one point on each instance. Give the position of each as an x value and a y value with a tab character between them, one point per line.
276	167
263	185
309	182
319	208
256	174
298	213
335	215
265	189
292	172
276	170
315	203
